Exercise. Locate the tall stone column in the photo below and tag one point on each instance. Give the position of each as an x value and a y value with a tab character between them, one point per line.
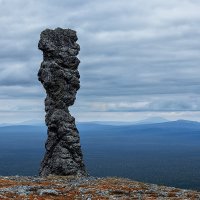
60	78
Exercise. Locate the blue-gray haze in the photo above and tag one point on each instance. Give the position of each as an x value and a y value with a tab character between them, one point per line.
166	153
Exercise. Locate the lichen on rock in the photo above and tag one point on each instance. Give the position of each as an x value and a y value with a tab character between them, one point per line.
59	76
90	188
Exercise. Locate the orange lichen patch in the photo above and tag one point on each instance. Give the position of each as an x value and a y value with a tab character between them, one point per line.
6	183
171	194
49	197
175	190
153	195
35	184
65	178
38	197
192	196
123	186
13	196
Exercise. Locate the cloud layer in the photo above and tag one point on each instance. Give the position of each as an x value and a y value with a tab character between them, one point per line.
136	56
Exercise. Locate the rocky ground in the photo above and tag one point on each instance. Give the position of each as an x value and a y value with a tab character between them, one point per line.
89	188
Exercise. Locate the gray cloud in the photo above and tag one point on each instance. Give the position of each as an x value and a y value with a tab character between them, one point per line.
131	52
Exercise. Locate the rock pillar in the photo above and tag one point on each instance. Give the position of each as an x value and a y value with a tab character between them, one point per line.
60	78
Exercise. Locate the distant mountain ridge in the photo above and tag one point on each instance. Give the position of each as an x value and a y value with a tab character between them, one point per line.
28	122
147	121
169	126
150	120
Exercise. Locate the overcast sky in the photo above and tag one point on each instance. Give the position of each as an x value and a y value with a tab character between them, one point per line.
139	58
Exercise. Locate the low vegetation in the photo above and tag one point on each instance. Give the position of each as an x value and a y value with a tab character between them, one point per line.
88	188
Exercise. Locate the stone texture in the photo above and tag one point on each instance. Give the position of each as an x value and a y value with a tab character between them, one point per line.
87	188
60	78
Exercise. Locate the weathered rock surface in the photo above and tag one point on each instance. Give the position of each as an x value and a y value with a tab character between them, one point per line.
60	78
87	188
